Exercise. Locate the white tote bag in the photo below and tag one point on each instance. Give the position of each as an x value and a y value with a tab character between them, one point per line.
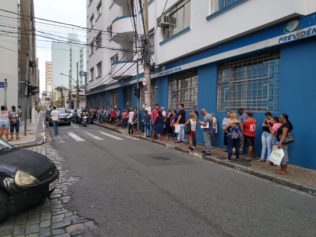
276	156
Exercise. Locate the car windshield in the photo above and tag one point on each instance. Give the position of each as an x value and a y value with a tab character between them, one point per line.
61	110
4	145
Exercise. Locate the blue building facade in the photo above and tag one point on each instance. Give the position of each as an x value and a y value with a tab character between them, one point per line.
269	70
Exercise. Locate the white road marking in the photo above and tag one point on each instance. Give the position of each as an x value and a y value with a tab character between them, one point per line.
94	136
111	136
75	137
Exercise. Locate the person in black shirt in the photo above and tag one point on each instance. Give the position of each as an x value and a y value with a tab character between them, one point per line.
180	122
282	132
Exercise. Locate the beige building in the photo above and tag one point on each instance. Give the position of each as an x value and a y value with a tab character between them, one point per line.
48	77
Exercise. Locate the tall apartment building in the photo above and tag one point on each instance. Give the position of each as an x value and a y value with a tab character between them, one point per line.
18	62
48	77
65	57
9	56
215	54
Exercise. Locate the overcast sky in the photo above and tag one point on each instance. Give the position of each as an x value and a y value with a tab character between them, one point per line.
68	11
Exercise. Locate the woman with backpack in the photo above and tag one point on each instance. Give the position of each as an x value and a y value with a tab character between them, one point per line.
233	132
282	132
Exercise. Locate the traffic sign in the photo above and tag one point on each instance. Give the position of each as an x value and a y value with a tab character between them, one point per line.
3	84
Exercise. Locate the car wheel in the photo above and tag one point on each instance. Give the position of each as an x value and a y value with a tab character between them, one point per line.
4	205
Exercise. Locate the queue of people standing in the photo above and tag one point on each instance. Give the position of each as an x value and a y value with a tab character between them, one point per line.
10	123
241	131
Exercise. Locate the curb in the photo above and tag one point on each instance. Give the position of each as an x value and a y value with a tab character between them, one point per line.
237	167
40	136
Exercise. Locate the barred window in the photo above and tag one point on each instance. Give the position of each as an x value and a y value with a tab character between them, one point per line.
113	98
183	90
251	83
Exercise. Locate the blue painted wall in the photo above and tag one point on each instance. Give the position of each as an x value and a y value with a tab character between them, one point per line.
163	92
297	98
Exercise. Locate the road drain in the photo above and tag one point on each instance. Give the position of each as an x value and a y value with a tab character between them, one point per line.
160	158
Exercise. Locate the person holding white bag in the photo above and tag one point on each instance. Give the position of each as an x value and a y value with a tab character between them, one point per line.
282	132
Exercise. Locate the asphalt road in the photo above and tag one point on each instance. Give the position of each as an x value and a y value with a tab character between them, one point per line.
133	188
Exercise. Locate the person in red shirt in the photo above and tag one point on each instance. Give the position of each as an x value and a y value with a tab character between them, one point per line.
249	126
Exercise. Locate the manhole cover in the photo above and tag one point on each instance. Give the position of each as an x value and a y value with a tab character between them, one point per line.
160	158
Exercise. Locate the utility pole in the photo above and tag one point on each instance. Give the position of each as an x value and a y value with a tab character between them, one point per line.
146	55
26	94
77	86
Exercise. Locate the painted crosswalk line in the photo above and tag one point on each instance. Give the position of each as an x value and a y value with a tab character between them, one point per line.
111	136
75	137
94	136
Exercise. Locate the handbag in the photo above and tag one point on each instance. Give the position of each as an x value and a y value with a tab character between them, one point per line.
276	156
187	128
289	139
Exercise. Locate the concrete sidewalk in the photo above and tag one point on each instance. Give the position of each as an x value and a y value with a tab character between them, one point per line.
298	178
35	134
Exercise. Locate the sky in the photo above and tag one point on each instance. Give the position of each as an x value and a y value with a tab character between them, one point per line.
67	11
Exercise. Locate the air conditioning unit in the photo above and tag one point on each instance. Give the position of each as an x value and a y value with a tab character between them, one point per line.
163	21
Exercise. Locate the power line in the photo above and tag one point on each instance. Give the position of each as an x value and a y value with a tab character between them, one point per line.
59	23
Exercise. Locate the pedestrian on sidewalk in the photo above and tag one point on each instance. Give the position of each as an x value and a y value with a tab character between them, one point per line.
14	117
4	123
55	117
242	118
283	131
234	131
207	127
215	129
191	123
180	122
159	125
130	122
147	124
266	137
226	120
249	126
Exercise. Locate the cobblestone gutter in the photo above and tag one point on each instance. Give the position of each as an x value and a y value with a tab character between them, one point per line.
51	217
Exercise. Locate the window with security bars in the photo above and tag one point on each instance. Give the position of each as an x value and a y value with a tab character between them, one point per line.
113	98
252	84
183	90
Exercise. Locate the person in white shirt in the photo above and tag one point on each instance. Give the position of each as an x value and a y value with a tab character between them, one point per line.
130	122
214	123
54	115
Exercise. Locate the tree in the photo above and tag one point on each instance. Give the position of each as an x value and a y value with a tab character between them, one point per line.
61	89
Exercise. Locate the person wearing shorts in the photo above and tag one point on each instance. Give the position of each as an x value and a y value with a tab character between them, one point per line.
14	117
4	123
249	126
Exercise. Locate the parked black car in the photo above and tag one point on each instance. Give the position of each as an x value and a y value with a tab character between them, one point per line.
65	117
26	178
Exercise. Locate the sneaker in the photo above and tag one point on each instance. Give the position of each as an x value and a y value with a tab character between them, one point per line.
261	160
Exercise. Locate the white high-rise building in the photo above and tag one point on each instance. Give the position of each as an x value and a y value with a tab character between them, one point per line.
9	56
221	55
65	58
